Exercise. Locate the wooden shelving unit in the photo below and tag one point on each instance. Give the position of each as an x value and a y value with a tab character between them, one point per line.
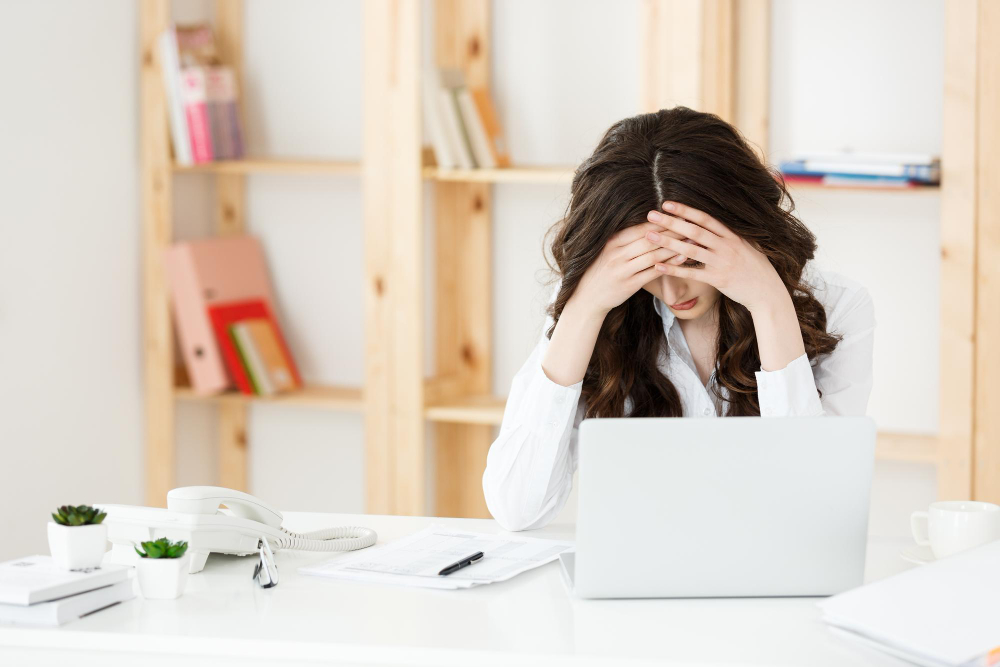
709	55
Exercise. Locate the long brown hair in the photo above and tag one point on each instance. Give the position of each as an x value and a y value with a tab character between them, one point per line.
702	161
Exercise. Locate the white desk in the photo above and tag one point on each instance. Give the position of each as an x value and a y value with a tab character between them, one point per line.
224	618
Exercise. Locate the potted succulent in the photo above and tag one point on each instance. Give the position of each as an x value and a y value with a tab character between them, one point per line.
77	538
162	569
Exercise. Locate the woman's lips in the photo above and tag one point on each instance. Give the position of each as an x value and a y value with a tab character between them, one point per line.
687	305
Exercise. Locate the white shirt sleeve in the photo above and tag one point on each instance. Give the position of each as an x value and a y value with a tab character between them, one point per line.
844	376
529	468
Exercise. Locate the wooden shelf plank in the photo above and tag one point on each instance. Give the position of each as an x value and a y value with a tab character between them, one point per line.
468	410
806	185
911	447
917	448
271	165
504	175
328	398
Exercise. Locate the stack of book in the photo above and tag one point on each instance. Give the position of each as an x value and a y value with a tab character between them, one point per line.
224	314
878	170
201	97
462	123
34	591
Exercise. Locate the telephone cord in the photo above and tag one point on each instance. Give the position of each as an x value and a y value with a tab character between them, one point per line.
344	538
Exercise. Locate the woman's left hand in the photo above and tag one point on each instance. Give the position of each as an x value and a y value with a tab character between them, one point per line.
728	262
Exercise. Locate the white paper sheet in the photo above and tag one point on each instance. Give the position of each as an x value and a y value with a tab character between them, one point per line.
416	560
942	613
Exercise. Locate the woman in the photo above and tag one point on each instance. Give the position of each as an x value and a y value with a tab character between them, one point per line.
685	291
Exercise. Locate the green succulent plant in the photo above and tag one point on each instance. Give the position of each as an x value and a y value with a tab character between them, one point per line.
162	548
81	515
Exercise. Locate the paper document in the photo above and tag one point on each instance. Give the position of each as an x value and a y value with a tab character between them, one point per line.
417	559
942	614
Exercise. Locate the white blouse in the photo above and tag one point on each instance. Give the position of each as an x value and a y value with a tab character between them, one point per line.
530	466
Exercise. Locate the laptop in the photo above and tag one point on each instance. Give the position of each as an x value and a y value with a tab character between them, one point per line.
733	507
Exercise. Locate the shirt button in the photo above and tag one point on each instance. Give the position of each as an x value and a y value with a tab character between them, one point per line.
559	398
706	411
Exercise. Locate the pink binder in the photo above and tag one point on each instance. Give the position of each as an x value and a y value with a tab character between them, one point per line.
204	273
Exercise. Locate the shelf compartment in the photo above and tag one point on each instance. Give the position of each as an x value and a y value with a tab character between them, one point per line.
562	175
270	166
468	410
349	399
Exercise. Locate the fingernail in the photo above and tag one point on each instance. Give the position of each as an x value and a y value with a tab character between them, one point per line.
679	259
668	206
661	268
653	236
653	216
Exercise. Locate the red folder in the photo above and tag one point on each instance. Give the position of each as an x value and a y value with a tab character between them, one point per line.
225	314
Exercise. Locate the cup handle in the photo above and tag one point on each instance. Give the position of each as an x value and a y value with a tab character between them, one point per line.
918	525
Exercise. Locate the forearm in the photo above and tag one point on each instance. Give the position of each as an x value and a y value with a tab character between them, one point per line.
779	338
572	344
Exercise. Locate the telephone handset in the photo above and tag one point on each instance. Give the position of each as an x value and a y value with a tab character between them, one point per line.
193	514
207	499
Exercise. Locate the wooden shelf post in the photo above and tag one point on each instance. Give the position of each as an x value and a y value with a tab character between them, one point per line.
394	264
463	288
986	483
157	184
958	252
230	220
709	55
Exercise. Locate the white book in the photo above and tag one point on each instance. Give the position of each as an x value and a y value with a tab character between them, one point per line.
435	122
170	63
870	158
64	610
35	579
476	130
943	613
452	121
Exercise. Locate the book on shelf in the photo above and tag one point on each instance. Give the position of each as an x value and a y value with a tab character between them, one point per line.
852	181
865	169
263	356
225	317
203	275
202	97
34	591
462	122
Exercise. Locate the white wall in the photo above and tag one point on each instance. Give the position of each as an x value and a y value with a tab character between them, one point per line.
70	365
563	72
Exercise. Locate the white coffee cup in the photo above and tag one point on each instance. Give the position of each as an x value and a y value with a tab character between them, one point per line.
952	526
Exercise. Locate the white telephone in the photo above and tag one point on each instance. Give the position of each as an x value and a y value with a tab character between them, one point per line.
193	514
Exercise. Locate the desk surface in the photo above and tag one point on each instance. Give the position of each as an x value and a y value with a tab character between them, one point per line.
531	619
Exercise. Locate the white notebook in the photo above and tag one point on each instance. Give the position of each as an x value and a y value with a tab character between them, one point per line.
34	579
942	613
64	610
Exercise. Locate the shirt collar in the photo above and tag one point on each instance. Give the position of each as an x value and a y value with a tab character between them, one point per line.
664	312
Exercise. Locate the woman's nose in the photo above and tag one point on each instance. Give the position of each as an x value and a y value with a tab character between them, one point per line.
674	290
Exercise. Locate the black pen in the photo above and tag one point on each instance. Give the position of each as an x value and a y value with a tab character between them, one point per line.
465	562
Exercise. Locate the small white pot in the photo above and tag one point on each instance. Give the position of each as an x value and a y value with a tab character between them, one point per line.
78	547
162	578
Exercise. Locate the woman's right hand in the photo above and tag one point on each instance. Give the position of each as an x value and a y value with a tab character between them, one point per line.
624	266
